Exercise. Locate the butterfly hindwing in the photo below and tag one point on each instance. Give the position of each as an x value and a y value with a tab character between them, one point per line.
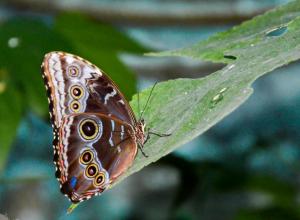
95	142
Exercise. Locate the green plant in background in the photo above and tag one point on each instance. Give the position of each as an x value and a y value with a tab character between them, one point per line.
23	43
100	44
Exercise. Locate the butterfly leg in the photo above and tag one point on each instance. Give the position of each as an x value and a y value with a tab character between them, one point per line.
158	134
148	137
141	149
154	133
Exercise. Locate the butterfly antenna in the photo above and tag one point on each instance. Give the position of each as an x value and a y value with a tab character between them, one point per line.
141	116
139	110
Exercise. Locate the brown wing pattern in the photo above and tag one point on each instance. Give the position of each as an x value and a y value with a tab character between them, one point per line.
80	92
111	144
75	85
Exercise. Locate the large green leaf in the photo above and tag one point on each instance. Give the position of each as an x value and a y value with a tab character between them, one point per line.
100	44
188	107
10	114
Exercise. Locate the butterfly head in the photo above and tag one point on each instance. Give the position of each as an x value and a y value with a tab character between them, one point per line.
140	132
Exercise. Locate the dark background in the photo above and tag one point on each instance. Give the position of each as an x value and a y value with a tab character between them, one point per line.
246	167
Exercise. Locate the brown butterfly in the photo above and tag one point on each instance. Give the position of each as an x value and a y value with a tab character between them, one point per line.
96	134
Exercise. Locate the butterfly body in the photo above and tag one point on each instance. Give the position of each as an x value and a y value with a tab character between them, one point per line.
96	135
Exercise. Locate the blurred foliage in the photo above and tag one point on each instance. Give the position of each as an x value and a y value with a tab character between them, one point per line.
10	114
281	200
100	44
23	43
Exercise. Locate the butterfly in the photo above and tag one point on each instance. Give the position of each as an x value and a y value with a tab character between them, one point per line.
96	134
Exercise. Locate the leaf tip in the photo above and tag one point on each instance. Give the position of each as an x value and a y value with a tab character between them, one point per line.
72	207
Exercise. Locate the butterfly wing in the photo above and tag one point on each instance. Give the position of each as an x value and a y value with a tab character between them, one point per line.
95	149
78	90
74	85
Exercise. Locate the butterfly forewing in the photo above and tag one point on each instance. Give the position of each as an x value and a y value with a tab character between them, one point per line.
94	126
76	86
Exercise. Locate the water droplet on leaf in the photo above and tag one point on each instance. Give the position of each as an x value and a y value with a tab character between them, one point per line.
218	97
231	66
277	31
230	57
13	42
223	90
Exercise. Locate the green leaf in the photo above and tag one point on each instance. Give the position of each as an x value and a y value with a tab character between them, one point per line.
100	44
10	115
248	41
188	107
23	43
